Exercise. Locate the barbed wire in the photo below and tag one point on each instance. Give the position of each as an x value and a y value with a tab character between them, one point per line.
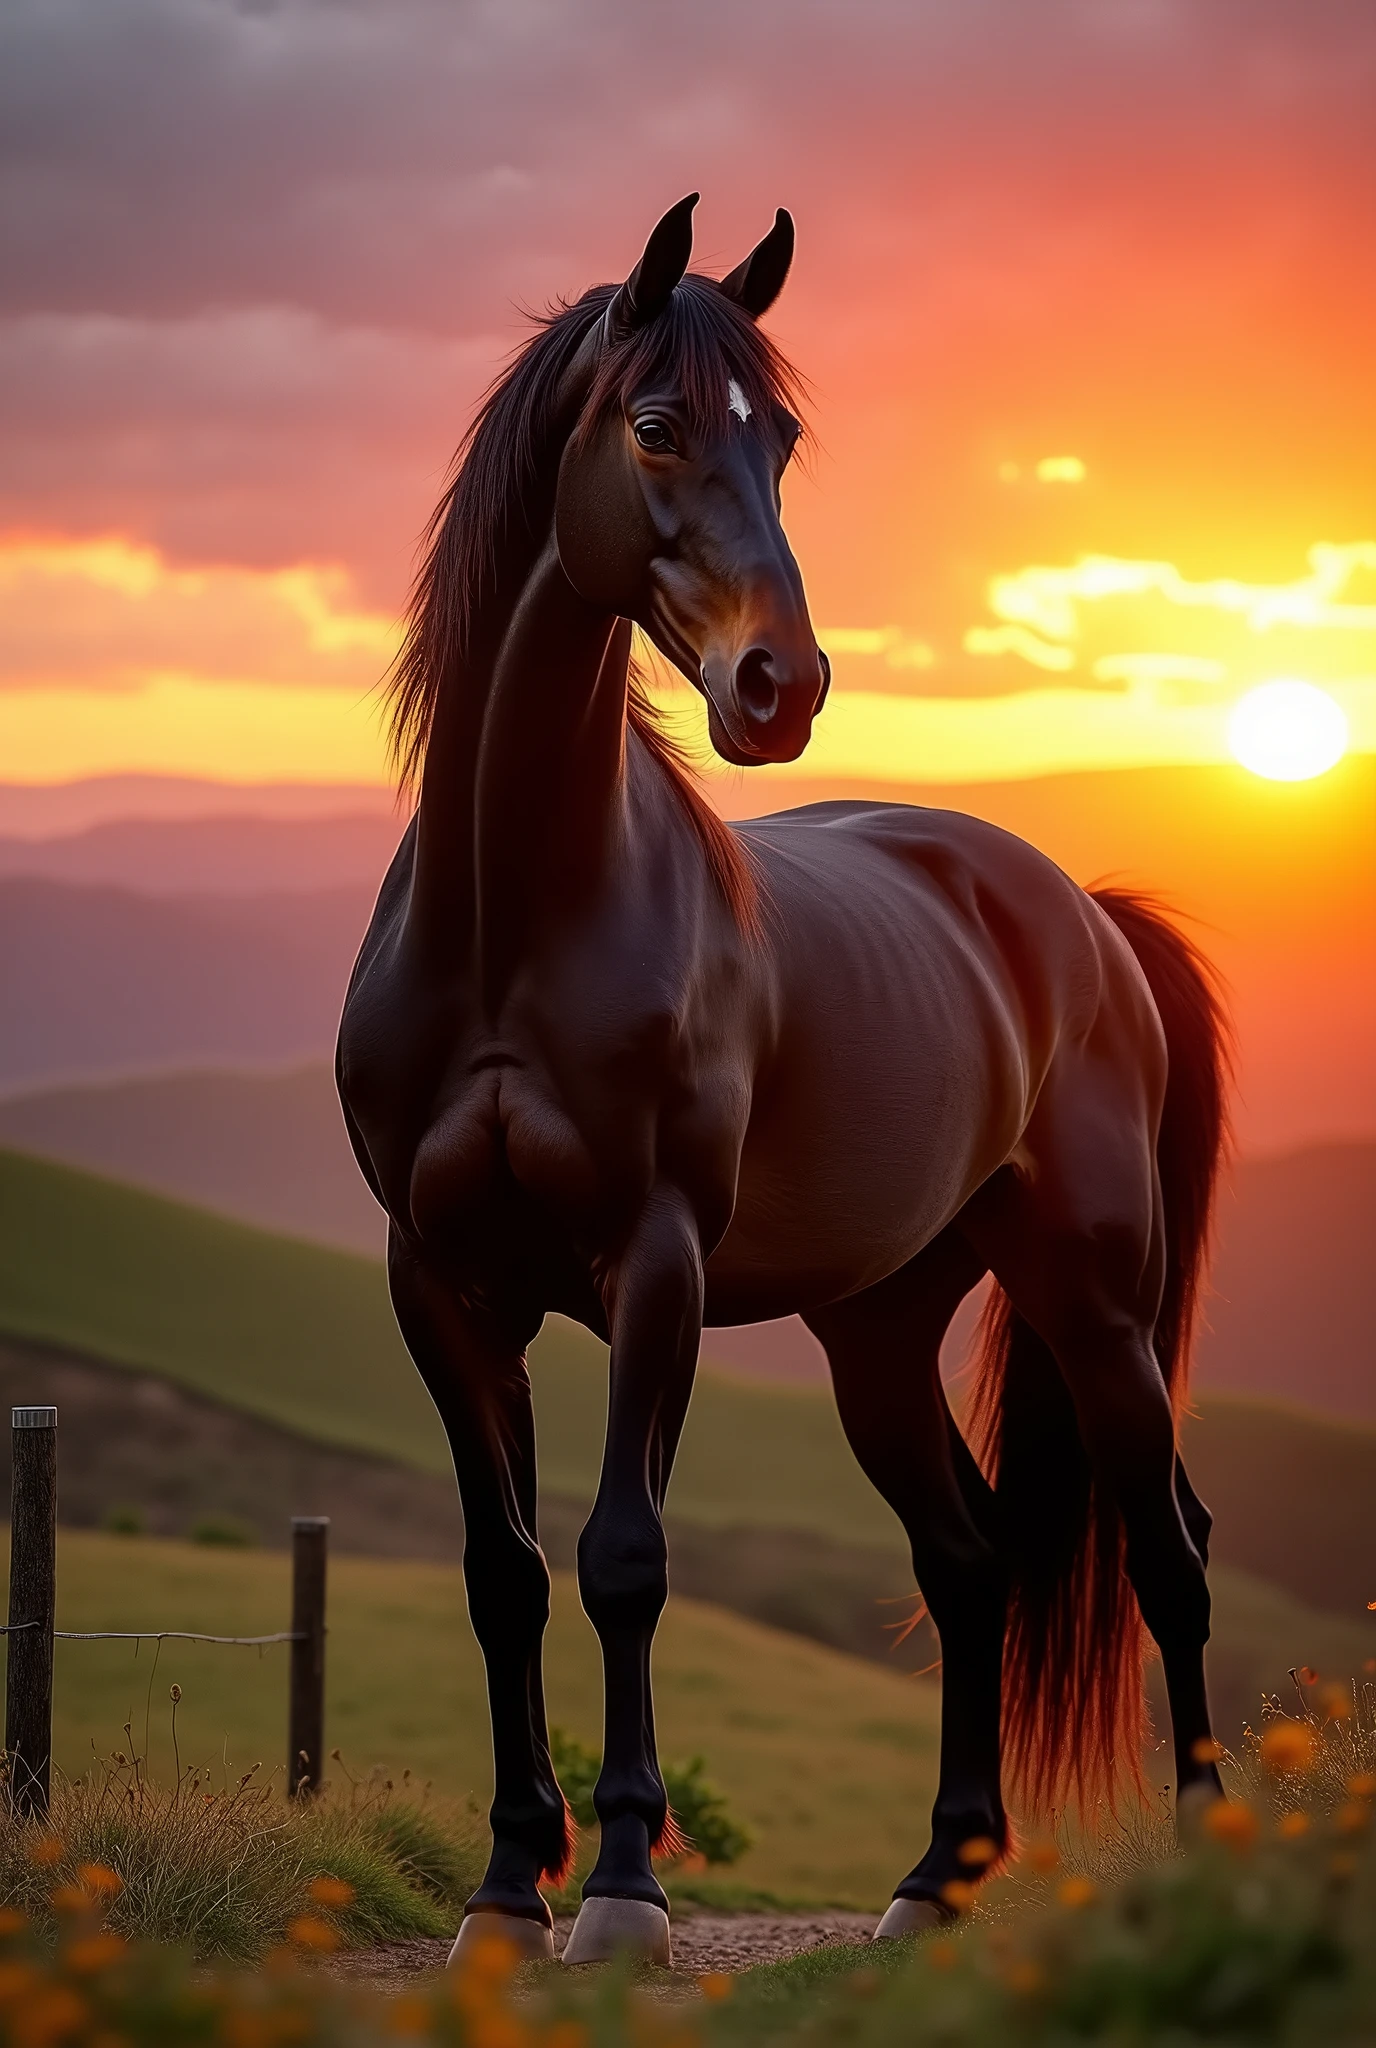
159	1635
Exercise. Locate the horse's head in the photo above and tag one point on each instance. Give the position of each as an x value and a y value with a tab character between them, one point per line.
668	506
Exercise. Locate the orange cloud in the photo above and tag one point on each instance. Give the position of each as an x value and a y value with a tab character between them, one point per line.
1048	601
115	614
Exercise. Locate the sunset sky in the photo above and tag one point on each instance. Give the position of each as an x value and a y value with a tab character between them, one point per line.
1083	294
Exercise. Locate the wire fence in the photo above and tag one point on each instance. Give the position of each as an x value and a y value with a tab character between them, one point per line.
33	1609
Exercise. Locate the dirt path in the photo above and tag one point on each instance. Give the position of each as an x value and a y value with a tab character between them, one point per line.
703	1942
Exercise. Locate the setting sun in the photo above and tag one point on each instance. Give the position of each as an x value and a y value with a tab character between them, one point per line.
1288	731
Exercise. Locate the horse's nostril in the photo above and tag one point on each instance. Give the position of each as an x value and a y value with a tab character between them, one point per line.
757	693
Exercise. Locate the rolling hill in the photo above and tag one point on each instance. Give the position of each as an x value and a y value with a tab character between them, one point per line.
830	1760
303	1337
217	856
1279	880
1291	1314
266	1148
100	981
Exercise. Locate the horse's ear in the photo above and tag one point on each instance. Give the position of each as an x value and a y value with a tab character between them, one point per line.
650	286
756	283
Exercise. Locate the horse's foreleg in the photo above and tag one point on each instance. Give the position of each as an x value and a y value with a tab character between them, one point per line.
656	1320
883	1349
479	1383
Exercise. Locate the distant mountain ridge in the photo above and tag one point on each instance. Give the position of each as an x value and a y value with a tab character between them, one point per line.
1290	1314
230	856
45	810
1277	880
103	981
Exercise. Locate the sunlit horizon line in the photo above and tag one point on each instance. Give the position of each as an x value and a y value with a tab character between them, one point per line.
254	733
130	700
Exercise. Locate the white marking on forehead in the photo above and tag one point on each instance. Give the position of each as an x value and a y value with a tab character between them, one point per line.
737	400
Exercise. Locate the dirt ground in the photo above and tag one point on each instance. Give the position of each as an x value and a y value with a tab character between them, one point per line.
703	1943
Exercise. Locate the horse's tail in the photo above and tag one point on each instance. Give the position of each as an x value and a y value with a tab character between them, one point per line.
1074	1714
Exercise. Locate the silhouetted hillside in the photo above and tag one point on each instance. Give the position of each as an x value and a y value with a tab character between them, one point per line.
218	856
102	980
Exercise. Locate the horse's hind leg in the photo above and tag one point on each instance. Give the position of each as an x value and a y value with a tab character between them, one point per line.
883	1350
1077	1244
479	1383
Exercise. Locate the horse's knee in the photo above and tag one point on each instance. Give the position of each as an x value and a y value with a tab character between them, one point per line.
508	1589
1173	1593
623	1571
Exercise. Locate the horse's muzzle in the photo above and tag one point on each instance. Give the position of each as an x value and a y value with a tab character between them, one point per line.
766	711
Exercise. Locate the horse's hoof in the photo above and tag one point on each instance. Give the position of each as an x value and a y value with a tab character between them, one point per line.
909	1916
611	1927
531	1939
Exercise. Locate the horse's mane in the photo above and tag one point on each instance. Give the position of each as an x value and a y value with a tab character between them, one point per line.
699	343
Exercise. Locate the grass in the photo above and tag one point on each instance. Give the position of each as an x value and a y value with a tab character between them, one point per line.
304	1337
225	1866
828	1761
1258	1933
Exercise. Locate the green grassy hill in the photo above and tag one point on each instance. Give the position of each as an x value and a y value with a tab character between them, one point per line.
304	1337
831	1760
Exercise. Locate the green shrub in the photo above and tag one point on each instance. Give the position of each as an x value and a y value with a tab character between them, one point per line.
224	1532
696	1804
124	1520
701	1811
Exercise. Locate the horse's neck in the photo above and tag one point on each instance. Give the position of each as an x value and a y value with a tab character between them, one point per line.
522	789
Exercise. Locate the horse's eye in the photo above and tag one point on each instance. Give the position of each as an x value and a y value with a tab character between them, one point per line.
653	436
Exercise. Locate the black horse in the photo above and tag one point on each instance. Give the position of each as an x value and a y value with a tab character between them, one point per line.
605	1055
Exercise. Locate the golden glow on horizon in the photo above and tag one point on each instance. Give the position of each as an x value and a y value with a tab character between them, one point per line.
114	660
228	731
1287	731
865	736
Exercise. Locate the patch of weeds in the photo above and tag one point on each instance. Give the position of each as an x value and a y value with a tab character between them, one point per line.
225	1866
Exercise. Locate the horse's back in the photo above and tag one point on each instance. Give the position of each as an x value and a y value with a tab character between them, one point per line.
928	967
947	901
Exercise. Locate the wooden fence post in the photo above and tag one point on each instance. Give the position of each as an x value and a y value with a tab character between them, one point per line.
33	1599
306	1712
